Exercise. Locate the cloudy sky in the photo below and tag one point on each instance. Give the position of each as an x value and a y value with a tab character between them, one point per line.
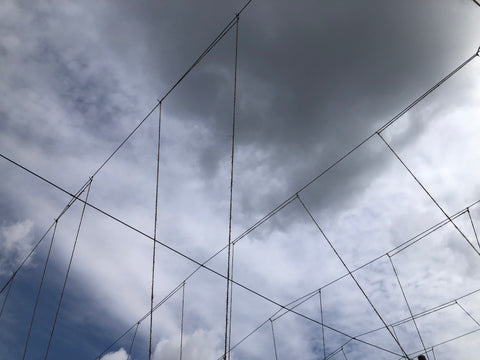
315	79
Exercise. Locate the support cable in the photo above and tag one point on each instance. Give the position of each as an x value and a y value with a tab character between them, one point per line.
468	314
68	269
476	2
473	227
428	193
133	340
344	355
408	305
155	229
322	321
351	275
181	325
40	289
227	305
231	305
274	342
433	353
9	287
266	321
163	301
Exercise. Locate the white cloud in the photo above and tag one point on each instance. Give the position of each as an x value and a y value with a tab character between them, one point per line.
16	240
117	355
200	345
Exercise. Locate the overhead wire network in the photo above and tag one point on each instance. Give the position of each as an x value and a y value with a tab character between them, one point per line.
202	265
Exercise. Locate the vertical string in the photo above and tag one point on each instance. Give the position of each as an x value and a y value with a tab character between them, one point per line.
227	308
155	229
133	340
40	289
408	305
181	326
231	305
323	327
473	226
68	268
274	342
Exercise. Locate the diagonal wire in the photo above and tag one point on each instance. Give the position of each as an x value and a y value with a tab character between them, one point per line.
323	328
9	287
473	227
155	228
274	342
428	193
64	210
40	289
344	355
468	314
227	300
351	274
68	270
408	305
181	326
133	340
163	301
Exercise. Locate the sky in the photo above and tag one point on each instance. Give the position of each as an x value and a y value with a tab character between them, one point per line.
314	80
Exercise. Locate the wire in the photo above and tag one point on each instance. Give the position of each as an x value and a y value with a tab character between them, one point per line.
155	228
68	270
40	289
165	299
408	305
428	193
227	306
181	326
274	342
323	328
473	227
133	340
9	287
351	274
468	314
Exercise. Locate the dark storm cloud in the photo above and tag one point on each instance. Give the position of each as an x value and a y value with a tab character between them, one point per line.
314	79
